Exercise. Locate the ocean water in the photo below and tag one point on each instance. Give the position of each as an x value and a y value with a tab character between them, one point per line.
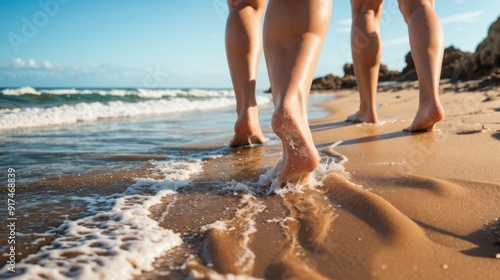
54	132
77	213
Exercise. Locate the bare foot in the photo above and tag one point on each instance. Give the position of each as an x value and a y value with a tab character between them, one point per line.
300	156
426	118
361	117
247	129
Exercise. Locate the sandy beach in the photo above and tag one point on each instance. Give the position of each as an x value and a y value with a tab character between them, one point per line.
237	140
388	205
177	204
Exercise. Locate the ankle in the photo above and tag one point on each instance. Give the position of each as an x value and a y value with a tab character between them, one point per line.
368	114
248	121
247	111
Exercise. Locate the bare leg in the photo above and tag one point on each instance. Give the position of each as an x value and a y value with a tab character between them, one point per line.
426	40
243	49
294	32
366	53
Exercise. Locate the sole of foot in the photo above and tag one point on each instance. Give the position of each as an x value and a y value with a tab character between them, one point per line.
300	156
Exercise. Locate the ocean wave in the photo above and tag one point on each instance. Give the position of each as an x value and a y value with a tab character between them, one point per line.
80	112
20	91
140	92
117	243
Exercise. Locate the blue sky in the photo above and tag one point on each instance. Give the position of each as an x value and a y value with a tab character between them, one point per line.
178	43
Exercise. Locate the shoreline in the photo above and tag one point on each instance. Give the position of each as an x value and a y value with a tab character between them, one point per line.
432	204
389	204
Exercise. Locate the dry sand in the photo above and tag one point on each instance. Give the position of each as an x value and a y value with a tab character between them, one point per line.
407	206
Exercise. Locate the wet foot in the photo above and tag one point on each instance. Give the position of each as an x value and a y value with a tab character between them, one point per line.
426	118
300	156
247	129
360	117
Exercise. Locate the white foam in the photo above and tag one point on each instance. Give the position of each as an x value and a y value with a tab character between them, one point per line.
390	163
219	225
117	243
159	93
144	93
165	214
20	91
336	144
330	162
380	123
249	206
67	114
212	275
61	91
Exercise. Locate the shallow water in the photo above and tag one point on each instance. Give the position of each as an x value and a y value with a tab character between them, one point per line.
72	173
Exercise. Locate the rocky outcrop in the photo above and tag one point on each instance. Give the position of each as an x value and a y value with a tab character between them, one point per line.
451	61
485	60
484	84
332	82
384	73
327	82
348	69
483	65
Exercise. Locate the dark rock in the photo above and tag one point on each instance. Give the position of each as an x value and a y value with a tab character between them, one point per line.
348	81
384	73
348	69
328	82
486	83
410	65
485	60
457	65
451	61
332	82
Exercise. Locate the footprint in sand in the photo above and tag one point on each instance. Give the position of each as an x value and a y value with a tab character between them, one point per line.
235	235
306	228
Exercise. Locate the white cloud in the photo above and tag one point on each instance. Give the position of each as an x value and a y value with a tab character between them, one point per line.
43	71
344	30
346	21
18	62
32	64
47	65
345	25
461	18
396	41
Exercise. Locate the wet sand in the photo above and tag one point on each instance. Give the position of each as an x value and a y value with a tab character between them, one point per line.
390	205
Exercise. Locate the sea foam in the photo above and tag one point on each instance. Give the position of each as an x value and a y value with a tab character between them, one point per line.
330	162
20	91
117	243
140	92
68	114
